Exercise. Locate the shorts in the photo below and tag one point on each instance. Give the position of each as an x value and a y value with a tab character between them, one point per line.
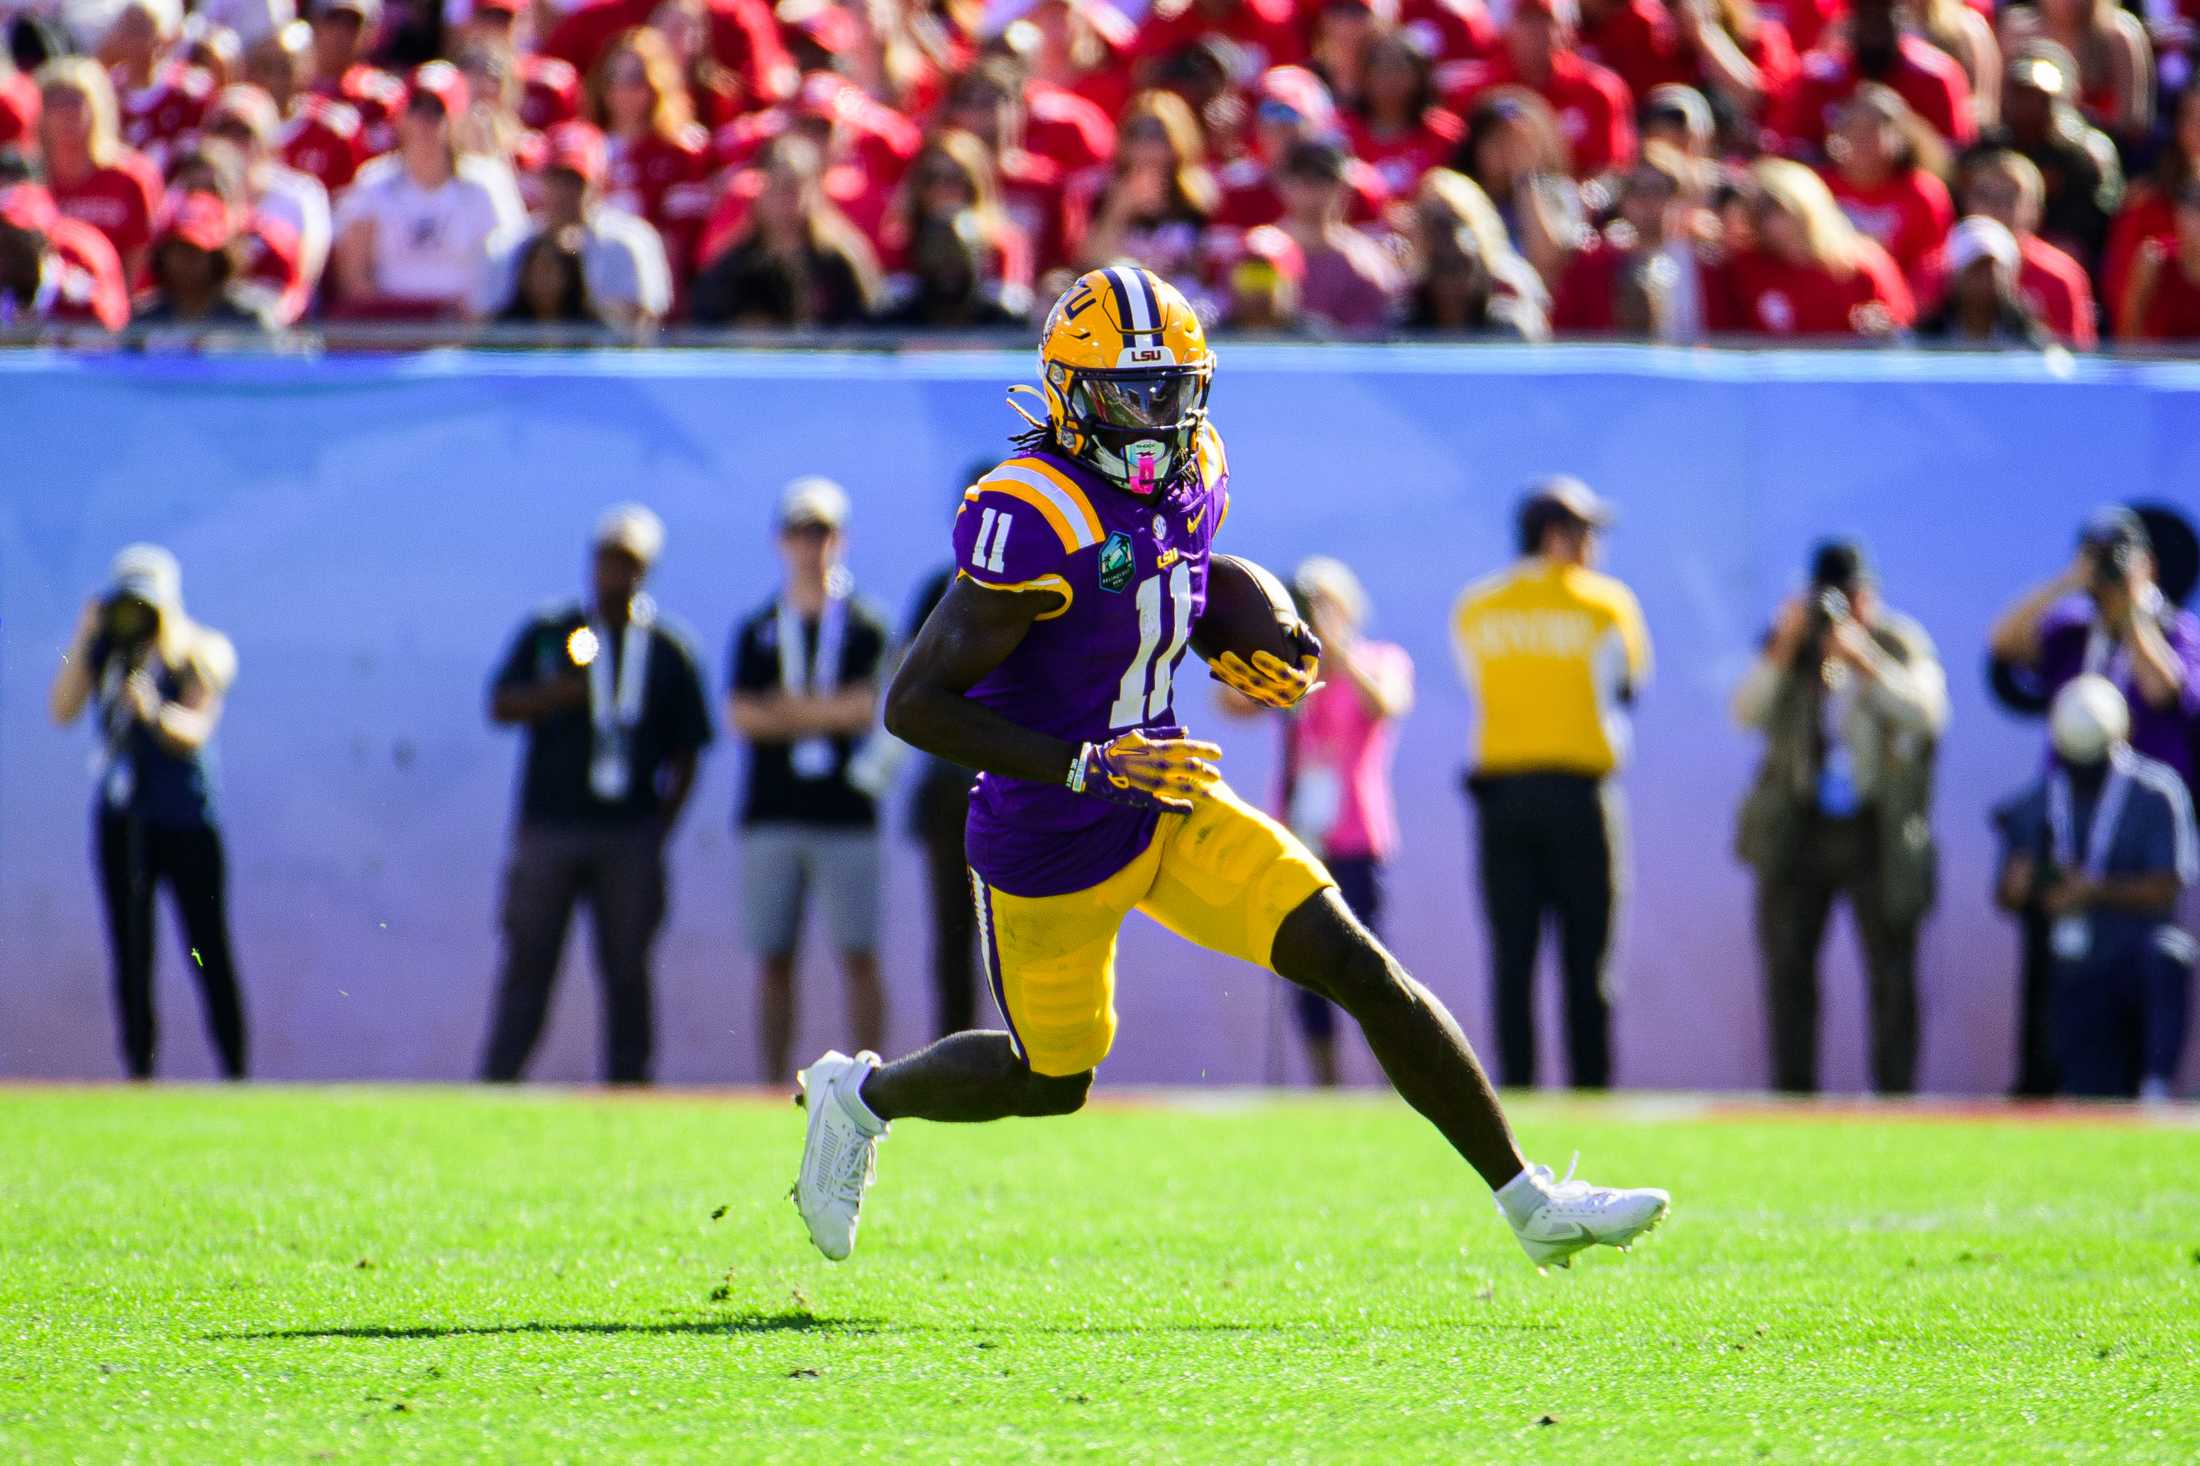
782	863
1224	877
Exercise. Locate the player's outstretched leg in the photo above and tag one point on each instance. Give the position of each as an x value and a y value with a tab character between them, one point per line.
966	1077
1321	946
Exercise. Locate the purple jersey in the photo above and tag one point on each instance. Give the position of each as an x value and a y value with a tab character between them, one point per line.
1134	572
2071	645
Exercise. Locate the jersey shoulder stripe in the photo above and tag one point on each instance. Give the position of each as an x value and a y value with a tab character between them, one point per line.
1214	472
1213	462
1064	506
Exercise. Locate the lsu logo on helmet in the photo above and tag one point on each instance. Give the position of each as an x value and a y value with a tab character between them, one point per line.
1124	369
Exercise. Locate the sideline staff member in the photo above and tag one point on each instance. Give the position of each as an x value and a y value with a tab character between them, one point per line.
615	716
155	680
1553	653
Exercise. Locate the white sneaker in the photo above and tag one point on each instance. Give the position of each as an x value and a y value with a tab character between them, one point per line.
1557	1219
840	1154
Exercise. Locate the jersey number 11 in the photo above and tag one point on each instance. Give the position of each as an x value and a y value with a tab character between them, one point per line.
1134	702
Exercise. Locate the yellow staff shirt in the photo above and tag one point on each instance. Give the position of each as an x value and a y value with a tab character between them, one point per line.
1551	654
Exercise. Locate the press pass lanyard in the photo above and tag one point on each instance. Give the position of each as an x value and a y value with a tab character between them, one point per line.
813	757
2072	935
614	712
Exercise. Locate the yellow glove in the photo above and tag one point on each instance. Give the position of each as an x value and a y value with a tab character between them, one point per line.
1151	768
1268	680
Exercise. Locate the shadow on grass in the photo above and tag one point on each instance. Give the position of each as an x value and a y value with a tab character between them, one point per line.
746	1323
804	1323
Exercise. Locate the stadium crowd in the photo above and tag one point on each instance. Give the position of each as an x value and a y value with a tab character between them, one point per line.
1936	170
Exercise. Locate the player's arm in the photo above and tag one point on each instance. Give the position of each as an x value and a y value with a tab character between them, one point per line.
969	633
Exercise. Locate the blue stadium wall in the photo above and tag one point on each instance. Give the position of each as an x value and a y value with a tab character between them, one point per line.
370	532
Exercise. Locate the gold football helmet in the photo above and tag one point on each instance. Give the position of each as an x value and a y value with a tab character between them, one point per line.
1124	369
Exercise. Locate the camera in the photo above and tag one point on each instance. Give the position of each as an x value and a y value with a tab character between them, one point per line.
2110	562
128	620
1829	608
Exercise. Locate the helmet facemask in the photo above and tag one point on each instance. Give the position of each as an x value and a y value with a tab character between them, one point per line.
1135	425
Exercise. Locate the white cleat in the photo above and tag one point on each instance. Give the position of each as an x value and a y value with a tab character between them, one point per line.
1564	1216
840	1153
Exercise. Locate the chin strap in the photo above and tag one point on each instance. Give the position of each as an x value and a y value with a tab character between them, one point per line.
1023	412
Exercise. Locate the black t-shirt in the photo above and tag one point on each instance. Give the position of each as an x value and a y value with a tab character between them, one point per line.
775	791
675	718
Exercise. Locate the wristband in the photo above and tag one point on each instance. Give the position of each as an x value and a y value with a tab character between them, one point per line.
1075	780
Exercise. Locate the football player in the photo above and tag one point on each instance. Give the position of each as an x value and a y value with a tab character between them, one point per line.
1051	665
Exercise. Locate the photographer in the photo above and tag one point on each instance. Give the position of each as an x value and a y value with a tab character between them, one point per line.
155	681
615	716
1852	701
2105	845
2106	615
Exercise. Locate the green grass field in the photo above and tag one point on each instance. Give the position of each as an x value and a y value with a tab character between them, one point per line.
439	1275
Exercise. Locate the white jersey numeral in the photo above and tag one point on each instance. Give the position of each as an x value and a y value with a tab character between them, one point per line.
1135	702
995	524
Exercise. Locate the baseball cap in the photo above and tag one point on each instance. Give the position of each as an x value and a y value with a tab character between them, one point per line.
1840	563
1979	238
1561	498
813	500
634	528
577	147
369	11
249	105
1299	91
2088	717
29	207
1677	102
442	81
2113	525
149	572
198	219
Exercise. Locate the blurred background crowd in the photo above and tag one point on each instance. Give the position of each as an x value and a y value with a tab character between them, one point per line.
2016	177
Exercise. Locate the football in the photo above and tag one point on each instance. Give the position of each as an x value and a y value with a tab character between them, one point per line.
1248	610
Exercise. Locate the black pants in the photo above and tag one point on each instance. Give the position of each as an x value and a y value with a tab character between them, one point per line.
1549	846
941	808
1836	858
620	871
2035	1027
133	858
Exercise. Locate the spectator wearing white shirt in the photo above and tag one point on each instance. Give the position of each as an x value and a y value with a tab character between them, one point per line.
245	116
627	282
418	230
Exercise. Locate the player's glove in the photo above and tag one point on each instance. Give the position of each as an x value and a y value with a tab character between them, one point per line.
1151	768
1267	679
